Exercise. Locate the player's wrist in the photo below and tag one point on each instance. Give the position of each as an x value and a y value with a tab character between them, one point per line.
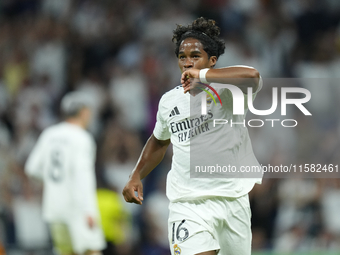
203	74
135	175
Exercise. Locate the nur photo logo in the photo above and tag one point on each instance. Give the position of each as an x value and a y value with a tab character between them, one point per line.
239	102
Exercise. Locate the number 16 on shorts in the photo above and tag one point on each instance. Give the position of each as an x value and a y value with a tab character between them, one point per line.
179	231
187	236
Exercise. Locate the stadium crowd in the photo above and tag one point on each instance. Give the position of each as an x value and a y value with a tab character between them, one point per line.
120	52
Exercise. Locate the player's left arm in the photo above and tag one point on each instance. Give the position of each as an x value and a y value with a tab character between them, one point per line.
240	76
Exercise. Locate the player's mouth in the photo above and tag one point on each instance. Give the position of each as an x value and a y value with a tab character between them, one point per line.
186	69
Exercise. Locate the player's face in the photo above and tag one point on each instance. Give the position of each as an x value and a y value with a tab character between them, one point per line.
192	55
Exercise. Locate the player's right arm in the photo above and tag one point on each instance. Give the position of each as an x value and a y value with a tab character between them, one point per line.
34	162
152	154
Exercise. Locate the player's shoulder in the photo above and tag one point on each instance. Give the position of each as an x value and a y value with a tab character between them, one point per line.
49	131
173	94
171	98
78	133
67	131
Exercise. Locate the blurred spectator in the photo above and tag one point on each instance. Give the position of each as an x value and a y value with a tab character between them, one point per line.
92	85
119	153
331	205
294	240
129	93
89	19
15	72
57	9
297	198
263	201
27	216
49	54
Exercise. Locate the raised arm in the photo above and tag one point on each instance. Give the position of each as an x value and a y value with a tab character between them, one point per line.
152	154
240	76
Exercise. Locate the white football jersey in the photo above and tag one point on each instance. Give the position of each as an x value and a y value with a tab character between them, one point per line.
64	159
198	142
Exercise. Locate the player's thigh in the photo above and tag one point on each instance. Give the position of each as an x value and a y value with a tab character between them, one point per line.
93	253
190	238
61	238
234	231
85	238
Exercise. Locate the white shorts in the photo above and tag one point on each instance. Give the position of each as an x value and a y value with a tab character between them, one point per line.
75	235
221	224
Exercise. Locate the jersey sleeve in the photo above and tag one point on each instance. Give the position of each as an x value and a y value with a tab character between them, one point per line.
34	162
161	130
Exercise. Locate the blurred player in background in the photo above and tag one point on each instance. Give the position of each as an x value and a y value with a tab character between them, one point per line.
64	158
208	216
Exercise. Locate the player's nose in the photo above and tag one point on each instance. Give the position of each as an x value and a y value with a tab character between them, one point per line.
188	63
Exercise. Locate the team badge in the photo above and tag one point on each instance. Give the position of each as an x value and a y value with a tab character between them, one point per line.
177	250
209	99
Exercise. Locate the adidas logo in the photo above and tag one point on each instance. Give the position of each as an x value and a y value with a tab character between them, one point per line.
174	112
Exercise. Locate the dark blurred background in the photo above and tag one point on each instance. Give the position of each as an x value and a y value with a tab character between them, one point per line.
120	52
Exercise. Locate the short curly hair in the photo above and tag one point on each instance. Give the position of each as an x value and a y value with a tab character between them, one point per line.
204	30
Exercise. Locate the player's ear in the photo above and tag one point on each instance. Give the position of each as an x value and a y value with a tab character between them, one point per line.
212	61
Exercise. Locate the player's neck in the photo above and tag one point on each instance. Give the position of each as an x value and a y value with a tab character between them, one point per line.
76	122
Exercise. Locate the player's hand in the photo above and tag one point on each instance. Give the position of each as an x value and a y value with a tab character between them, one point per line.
90	222
134	184
191	82
187	78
